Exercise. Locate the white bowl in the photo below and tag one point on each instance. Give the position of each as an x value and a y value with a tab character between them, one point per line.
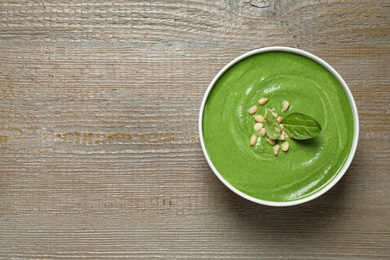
354	112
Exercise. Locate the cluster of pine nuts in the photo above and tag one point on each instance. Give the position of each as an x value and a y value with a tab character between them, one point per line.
260	129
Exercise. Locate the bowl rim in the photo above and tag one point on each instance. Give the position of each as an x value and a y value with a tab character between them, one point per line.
351	101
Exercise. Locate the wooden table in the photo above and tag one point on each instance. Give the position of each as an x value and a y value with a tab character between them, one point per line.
99	147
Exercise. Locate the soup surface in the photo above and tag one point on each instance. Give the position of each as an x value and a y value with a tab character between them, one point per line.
308	165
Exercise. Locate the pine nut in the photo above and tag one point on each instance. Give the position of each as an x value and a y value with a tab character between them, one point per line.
253	110
259	118
276	149
281	137
285	146
257	127
281	127
285	105
275	114
280	119
262	101
253	140
262	131
271	142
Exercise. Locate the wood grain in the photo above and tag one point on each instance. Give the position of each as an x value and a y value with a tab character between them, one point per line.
100	154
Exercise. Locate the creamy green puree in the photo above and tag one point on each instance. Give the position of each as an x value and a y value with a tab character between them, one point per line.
308	165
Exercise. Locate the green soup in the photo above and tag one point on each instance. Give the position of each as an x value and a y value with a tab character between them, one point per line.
308	165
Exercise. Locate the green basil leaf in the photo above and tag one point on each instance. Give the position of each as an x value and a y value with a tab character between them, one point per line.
271	125
301	127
